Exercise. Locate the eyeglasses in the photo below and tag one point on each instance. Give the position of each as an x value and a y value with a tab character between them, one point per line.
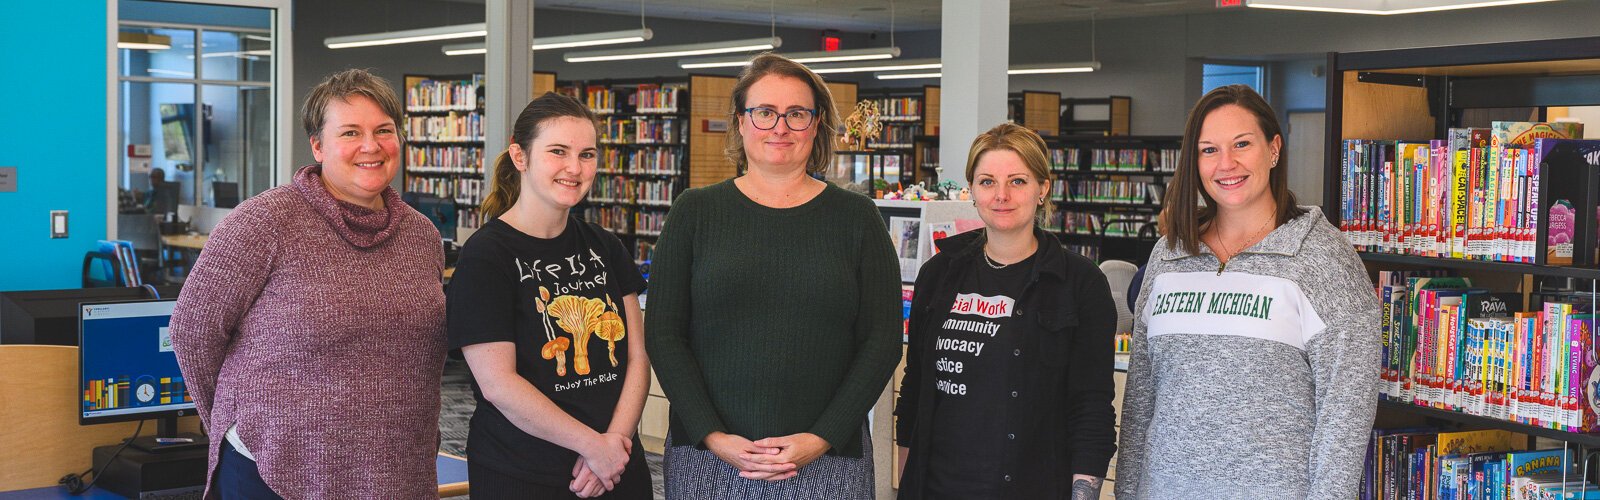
767	118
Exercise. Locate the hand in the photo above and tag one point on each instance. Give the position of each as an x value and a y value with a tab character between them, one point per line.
584	483
798	449
607	456
730	448
1086	487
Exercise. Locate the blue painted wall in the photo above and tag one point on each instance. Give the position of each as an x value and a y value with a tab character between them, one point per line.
59	142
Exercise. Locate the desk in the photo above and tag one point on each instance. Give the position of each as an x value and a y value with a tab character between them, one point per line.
186	241
452	482
187	246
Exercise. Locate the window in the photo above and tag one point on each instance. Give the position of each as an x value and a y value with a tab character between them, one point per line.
1217	75
197	104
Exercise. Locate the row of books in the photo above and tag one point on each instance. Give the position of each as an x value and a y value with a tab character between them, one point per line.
644	251
1114	160
1450	346
649	223
1404	464
641	130
1108	191
444	159
608	189
615	219
899	108
464	191
656	98
600	99
930	157
450	127
1479	194
444	95
1117	224
1090	251
652	160
896	135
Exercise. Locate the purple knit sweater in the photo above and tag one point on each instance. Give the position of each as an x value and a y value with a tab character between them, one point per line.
317	327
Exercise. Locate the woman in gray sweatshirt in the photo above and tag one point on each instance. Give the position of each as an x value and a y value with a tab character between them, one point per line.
1255	349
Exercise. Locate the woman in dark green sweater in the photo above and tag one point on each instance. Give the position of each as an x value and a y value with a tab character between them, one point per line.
774	311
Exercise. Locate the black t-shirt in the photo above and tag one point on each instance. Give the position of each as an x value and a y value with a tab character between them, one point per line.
972	347
559	296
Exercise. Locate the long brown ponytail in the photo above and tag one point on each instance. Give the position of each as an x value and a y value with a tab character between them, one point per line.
507	182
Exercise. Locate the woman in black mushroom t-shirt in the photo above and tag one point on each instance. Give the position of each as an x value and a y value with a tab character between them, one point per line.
546	310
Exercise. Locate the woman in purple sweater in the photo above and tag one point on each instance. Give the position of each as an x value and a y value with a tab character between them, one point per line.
311	331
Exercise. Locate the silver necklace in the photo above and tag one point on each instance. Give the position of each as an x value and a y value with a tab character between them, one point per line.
991	262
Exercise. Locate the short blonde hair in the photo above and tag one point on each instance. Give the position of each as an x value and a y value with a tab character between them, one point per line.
1026	144
826	122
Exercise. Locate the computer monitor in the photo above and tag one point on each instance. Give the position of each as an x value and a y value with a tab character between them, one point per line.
225	194
127	369
50	317
440	210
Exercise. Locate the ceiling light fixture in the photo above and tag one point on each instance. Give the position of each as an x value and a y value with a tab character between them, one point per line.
1020	69
799	57
143	41
1380	7
692	49
561	42
900	65
407	36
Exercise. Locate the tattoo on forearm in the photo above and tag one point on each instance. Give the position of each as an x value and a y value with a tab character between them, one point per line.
1086	489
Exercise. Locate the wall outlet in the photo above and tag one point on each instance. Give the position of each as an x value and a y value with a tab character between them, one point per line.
58	224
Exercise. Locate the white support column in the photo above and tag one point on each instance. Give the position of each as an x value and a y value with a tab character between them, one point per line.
975	44
508	73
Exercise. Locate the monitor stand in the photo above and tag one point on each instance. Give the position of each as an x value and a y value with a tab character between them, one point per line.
167	438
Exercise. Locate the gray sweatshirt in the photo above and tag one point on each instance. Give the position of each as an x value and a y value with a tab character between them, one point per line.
1257	382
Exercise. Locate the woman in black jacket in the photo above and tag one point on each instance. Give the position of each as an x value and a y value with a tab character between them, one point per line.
1007	389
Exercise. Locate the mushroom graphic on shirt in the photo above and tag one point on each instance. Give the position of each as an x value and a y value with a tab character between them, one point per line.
610	329
577	316
556	349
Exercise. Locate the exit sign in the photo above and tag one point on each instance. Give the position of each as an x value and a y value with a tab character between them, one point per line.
1225	4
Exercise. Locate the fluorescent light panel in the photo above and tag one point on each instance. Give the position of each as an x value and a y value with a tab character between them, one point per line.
693	49
560	42
143	41
408	36
800	57
1020	69
1380	7
901	65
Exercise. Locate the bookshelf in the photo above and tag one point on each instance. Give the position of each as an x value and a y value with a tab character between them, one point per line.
644	129
1036	110
444	151
1107	190
1419	95
1119	110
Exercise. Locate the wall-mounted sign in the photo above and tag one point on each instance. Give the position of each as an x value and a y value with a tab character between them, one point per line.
714	126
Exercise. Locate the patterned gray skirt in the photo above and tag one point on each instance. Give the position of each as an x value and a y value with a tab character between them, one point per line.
693	474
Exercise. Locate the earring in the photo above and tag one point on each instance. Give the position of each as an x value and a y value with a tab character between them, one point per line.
1041	200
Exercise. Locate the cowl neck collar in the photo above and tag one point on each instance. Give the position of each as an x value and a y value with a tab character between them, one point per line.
358	225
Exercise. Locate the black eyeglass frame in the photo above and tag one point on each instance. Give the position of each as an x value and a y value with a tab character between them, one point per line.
784	116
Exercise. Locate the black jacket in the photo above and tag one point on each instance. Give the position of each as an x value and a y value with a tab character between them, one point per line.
1060	420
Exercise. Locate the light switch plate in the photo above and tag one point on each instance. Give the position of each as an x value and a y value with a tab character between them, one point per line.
58	224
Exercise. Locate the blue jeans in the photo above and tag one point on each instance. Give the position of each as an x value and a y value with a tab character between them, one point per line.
238	478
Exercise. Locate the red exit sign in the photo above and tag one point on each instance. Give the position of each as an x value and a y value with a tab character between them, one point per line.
1225	4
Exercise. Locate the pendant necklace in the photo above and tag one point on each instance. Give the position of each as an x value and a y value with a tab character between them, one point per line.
1223	264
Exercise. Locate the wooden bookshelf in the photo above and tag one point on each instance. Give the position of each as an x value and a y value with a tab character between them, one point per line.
444	151
543	82
709	105
1119	114
1418	94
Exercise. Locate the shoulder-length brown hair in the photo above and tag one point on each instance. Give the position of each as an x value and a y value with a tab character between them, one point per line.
826	122
1183	218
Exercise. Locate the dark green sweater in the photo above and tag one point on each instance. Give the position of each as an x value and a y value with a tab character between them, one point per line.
767	322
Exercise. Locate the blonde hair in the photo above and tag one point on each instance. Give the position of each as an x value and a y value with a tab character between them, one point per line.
826	122
1027	145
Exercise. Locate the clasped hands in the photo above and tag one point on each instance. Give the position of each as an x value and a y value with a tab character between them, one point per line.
600	465
769	459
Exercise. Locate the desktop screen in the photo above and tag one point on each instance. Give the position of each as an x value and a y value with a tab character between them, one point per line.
128	368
